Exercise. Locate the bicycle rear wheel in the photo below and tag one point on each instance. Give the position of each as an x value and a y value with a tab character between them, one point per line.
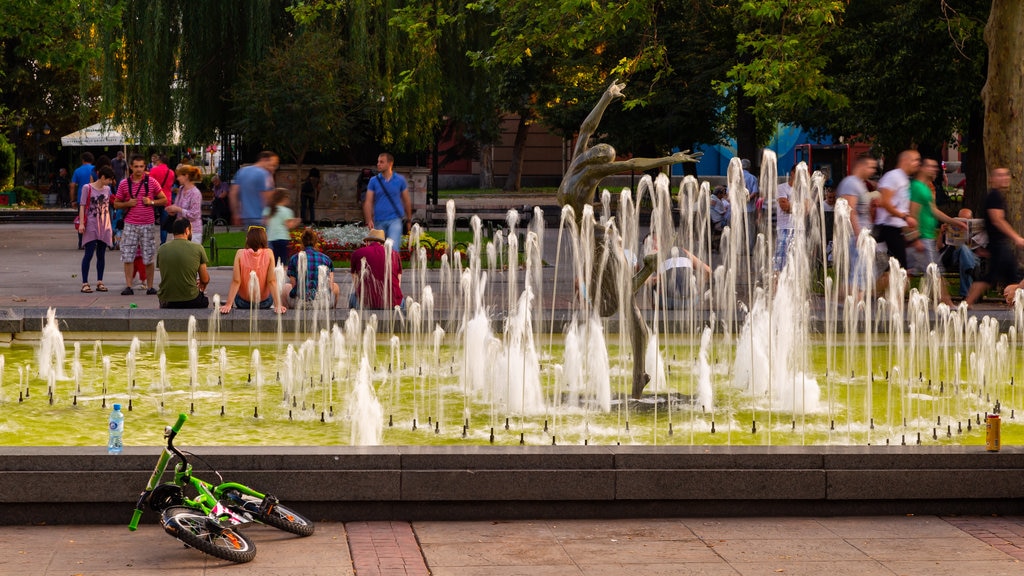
280	516
203	533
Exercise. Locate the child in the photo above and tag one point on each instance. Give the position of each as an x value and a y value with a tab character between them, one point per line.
139	269
280	220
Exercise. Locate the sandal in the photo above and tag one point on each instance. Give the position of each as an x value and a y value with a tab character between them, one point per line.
86	288
100	287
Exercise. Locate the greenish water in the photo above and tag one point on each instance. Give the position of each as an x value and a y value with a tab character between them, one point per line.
427	389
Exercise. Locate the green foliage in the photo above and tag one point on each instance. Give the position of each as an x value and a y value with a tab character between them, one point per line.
169	64
303	96
781	58
47	73
27	196
915	88
6	163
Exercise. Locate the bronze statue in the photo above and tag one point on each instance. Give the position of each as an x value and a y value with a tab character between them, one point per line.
590	165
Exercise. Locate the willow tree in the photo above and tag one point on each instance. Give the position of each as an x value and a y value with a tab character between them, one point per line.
394	43
169	64
1004	99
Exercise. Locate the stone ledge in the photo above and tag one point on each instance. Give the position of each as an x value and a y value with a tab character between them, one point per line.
59	485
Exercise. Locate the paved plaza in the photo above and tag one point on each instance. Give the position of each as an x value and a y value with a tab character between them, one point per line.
896	545
40	268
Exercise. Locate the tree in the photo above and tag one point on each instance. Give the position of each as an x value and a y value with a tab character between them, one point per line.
48	76
1003	94
168	65
781	62
300	97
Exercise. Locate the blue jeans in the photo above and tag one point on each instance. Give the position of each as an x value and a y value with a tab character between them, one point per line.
968	262
100	249
280	250
392	229
242	303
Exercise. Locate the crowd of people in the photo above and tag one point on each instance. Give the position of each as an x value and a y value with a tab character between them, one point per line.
126	204
153	214
901	213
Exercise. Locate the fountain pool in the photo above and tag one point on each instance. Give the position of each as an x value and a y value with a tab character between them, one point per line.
730	368
263	395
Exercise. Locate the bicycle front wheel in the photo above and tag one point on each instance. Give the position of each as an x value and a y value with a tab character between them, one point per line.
280	516
206	535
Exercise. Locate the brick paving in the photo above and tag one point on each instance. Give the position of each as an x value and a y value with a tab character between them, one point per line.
385	549
1002	533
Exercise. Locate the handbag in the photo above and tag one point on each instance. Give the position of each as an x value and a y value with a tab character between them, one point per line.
167	224
166	220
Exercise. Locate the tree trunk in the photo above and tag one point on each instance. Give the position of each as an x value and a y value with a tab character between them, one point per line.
973	165
1003	95
746	131
515	170
487	166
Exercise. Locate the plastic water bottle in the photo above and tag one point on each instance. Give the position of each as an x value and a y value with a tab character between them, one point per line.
116	429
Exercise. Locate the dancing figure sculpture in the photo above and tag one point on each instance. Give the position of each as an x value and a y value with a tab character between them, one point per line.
590	165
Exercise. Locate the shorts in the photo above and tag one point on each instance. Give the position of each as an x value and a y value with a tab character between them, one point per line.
134	237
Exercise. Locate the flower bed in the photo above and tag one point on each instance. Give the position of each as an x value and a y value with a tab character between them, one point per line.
338	242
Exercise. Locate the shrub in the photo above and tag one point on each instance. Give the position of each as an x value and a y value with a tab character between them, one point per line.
27	196
6	163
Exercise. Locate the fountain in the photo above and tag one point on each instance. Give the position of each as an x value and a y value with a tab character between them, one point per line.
523	355
775	390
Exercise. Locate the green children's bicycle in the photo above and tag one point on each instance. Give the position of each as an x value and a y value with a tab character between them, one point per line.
209	520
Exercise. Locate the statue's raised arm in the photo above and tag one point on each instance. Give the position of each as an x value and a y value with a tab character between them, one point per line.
591	164
589	125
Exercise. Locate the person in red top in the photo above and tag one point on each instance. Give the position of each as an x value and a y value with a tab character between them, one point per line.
138	193
371	277
163	174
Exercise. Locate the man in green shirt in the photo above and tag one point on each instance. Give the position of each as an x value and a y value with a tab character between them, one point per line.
183	275
928	215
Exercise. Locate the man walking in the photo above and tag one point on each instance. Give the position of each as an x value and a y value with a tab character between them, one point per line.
388	206
1002	238
80	177
138	194
251	190
893	213
855	190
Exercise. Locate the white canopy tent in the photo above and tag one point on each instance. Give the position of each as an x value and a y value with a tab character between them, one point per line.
95	135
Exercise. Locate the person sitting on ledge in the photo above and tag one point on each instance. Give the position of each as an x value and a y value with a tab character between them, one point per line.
293	292
254	262
183	275
375	286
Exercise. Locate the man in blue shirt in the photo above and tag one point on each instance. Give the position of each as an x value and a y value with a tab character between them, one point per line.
251	190
388	206
81	177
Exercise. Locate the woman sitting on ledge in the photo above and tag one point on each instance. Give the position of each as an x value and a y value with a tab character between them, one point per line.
253	275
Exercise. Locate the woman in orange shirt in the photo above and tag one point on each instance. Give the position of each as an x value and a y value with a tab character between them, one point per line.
253	282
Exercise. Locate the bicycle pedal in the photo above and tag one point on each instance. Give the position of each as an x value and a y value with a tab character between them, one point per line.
267	506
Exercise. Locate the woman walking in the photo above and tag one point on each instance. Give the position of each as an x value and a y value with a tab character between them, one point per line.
95	227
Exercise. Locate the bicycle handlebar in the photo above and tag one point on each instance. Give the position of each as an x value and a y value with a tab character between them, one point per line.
181	422
161	463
